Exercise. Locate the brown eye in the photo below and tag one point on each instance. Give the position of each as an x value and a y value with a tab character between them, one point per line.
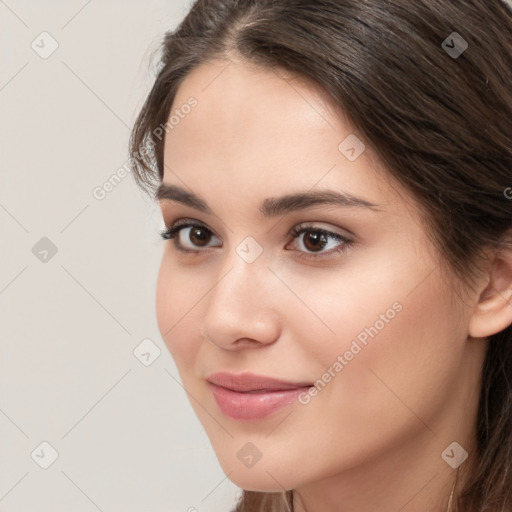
189	236
310	242
314	240
199	236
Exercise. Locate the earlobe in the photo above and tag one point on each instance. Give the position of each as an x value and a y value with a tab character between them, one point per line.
493	311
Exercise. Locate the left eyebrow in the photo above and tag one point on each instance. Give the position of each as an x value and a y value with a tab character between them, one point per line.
272	206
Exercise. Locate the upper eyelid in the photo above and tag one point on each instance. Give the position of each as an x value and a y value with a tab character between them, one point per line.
296	229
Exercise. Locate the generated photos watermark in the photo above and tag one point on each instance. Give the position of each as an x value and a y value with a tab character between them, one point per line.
355	348
101	191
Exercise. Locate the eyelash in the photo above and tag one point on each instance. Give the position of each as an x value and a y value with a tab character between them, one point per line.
171	232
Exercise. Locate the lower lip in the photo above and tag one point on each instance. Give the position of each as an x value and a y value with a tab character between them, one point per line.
253	406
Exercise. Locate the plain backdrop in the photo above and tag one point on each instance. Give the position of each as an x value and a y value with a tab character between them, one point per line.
92	414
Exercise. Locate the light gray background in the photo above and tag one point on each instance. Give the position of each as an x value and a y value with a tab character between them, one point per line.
127	437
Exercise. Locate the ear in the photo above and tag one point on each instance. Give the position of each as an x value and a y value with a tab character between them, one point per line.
493	311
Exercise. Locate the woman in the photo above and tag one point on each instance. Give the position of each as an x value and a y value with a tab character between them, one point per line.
335	177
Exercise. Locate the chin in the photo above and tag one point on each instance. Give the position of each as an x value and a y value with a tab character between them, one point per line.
262	482
262	477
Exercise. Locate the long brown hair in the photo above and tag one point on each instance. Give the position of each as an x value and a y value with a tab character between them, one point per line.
436	108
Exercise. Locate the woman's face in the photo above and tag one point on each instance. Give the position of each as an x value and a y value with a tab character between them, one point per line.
367	317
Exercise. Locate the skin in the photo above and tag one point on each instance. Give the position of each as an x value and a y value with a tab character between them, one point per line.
372	438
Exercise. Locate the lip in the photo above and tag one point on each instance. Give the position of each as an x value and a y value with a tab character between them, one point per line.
248	396
244	382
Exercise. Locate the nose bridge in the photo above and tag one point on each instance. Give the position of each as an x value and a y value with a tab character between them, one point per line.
241	279
245	266
239	305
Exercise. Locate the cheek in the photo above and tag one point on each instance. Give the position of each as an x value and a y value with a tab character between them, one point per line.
405	364
398	336
346	305
177	302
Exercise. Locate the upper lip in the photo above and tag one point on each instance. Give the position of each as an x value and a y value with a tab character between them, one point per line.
247	381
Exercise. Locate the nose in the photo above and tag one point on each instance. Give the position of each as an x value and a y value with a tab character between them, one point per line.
242	307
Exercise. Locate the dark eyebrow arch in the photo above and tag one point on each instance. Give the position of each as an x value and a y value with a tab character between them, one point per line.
272	206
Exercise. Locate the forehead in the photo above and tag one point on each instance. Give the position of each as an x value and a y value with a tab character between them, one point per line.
254	100
252	128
